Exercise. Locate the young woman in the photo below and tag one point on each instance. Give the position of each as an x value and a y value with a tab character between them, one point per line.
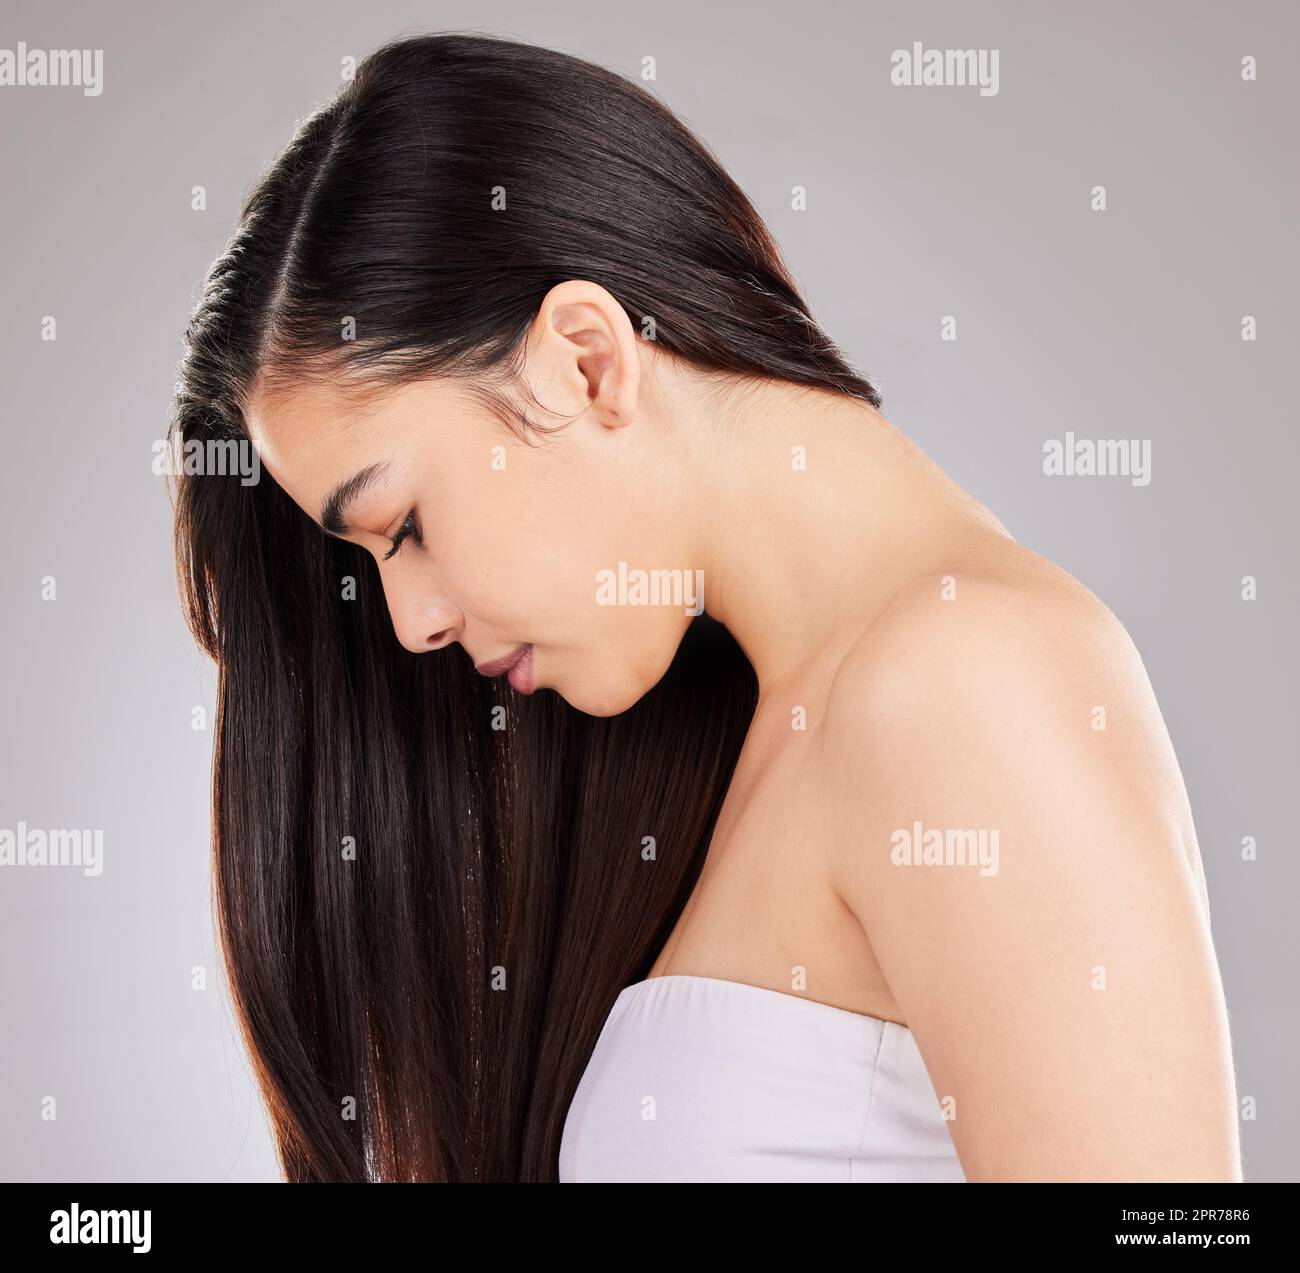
636	760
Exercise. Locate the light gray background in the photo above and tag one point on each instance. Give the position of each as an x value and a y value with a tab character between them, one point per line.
922	202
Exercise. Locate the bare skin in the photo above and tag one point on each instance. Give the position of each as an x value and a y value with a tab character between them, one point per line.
915	665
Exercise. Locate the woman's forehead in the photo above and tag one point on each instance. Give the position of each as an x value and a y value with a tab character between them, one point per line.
310	435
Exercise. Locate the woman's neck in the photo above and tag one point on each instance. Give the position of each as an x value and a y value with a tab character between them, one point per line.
810	512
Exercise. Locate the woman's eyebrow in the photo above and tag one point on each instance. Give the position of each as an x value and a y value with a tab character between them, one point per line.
333	511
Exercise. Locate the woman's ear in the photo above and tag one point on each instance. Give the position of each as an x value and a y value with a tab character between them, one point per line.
582	355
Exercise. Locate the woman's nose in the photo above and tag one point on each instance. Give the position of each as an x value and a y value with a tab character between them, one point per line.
421	630
422	619
436	640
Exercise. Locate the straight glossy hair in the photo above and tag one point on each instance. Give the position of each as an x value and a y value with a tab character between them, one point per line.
426	906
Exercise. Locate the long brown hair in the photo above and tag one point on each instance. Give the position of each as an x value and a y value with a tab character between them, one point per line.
425	916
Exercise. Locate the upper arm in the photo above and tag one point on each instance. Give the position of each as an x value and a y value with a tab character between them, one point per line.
1065	994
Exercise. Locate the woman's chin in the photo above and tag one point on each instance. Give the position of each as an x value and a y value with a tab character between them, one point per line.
606	700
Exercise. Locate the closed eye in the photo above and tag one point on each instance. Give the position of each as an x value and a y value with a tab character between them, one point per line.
408	527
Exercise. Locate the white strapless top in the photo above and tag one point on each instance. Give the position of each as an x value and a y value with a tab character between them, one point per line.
697	1079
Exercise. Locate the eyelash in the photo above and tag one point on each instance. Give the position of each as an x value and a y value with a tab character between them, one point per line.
408	527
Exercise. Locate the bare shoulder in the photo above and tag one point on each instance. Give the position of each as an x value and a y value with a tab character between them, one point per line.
1012	681
1011	830
1014	621
1011	661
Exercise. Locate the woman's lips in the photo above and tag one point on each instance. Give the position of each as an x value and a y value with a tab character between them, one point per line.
517	665
520	675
